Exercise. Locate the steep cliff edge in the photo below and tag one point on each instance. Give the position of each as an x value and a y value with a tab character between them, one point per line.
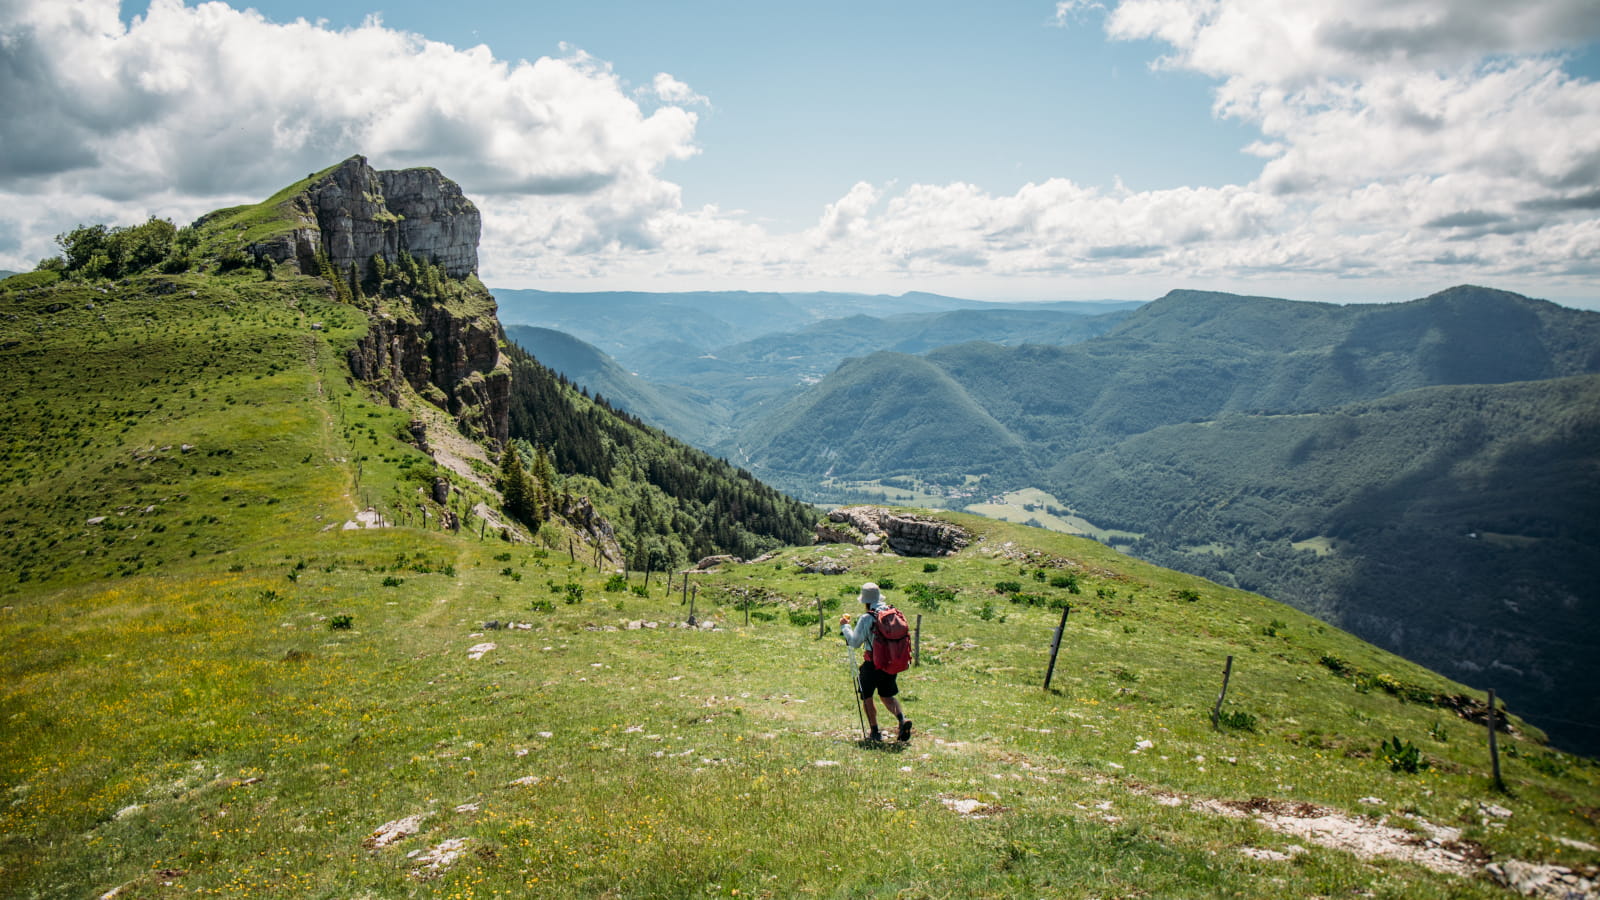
352	213
403	246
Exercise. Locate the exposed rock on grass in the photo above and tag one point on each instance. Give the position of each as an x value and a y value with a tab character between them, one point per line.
390	832
877	528
439	856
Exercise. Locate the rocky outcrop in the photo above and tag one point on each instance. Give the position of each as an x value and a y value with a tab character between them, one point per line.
354	213
879	529
450	359
447	352
580	514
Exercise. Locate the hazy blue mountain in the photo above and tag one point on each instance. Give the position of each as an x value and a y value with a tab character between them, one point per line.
623	323
885	406
679	411
1229	429
651	332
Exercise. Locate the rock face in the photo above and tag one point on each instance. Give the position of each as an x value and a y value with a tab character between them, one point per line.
876	528
356	212
452	360
447	353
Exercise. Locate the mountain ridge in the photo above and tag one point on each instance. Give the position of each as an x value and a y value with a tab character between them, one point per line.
1102	427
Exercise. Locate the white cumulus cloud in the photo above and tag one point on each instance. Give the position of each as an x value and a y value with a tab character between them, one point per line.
188	107
1409	144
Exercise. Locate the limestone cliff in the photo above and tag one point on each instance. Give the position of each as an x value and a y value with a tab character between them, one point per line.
444	342
352	213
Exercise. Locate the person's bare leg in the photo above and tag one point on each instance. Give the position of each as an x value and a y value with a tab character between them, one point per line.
872	713
892	704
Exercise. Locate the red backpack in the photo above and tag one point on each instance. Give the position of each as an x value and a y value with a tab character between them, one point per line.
891	649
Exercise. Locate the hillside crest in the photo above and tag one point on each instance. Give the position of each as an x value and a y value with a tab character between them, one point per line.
351	213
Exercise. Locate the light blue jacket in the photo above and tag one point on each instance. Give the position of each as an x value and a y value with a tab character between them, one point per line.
860	633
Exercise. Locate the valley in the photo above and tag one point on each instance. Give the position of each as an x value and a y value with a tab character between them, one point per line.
320	588
1309	451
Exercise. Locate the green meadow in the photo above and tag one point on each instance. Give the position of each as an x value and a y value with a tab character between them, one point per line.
219	689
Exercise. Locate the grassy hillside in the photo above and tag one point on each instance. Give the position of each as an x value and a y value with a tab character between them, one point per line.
216	682
214	731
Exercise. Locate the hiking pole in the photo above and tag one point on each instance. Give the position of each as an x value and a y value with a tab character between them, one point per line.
855	684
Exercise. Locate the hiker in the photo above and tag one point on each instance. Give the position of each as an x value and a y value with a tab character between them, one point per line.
879	678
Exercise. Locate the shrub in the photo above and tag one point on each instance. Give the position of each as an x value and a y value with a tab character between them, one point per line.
1065	580
1236	720
886	583
986	612
796	617
1401	757
391	581
1008	587
640	590
342	622
930	567
1188	594
929	596
616	582
542	606
573	592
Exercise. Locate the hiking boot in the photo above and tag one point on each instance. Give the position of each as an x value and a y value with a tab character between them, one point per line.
876	737
905	730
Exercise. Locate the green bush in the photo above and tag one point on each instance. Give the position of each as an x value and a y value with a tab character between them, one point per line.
616	582
1401	757
929	596
1065	580
1008	587
341	622
1236	720
797	617
930	567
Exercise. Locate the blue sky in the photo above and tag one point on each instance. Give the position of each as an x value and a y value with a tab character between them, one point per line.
1368	149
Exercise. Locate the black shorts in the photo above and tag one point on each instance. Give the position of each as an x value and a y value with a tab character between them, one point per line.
874	680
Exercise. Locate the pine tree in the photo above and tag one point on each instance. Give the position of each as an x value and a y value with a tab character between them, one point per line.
520	501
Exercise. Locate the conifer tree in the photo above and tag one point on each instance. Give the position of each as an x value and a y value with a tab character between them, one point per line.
520	501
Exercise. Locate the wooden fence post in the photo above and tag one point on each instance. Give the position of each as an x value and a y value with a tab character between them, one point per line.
916	645
1494	746
820	631
1055	646
1216	711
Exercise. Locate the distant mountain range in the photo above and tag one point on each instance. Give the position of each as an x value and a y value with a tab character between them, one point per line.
702	365
1421	473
